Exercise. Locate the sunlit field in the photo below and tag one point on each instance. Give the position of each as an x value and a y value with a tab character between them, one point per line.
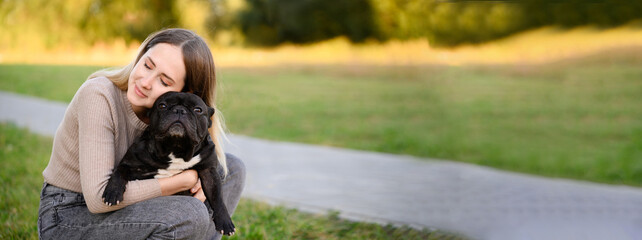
580	121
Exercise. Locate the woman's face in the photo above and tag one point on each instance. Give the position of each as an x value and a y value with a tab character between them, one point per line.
159	70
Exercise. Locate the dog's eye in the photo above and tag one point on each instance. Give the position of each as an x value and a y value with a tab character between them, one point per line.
162	106
198	110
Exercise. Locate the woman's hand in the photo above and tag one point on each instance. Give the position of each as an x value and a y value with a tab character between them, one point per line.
197	191
186	180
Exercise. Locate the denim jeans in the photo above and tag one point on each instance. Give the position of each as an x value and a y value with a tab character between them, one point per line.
63	214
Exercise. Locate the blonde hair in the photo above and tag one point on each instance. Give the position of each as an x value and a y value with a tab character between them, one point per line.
200	77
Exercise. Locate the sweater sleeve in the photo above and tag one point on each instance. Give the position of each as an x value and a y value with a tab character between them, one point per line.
97	133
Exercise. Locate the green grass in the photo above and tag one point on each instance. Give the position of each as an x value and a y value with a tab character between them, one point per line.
52	82
576	120
25	155
261	221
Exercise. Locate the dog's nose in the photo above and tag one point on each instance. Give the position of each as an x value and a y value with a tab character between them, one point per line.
180	110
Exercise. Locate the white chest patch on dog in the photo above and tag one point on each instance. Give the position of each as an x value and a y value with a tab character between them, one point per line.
177	165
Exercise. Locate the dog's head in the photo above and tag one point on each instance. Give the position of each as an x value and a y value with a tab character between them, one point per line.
180	115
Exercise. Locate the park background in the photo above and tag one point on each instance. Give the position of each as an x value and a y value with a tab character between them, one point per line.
550	88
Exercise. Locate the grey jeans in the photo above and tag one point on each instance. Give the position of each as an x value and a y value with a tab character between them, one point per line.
63	214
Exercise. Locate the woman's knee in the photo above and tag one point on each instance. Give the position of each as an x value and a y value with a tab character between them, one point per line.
234	183
185	216
236	168
186	207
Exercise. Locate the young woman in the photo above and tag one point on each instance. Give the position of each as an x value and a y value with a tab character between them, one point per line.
107	113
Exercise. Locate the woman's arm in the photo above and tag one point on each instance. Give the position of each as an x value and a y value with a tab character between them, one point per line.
183	181
101	139
186	180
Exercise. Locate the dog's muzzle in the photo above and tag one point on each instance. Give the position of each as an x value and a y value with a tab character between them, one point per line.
176	129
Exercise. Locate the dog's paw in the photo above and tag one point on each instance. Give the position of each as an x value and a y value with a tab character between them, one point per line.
225	226
113	195
112	198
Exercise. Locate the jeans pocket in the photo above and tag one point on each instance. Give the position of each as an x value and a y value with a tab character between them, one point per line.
72	212
58	206
47	217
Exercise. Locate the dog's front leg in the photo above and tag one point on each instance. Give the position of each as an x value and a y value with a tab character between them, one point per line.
115	188
211	183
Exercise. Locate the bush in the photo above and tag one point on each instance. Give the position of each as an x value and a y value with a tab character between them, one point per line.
445	23
271	22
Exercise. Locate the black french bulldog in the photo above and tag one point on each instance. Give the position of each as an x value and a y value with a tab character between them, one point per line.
175	140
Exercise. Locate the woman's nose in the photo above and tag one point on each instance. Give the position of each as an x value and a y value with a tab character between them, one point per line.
146	82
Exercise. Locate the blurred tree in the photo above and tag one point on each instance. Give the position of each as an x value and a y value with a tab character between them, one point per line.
453	22
131	20
75	23
36	24
270	22
222	22
571	13
193	14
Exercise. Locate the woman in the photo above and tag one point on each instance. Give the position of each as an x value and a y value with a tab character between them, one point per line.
107	113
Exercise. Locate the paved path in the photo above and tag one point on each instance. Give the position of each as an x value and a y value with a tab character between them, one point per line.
479	202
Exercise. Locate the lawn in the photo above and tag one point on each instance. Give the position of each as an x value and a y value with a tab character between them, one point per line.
578	119
25	155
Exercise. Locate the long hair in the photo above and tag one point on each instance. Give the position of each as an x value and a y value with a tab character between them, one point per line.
200	77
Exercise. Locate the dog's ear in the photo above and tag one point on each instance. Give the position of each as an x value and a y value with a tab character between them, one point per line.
210	113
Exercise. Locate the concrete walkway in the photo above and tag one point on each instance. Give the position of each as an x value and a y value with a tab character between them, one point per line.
479	202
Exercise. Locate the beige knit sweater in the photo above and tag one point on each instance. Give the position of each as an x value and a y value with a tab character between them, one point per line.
98	127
